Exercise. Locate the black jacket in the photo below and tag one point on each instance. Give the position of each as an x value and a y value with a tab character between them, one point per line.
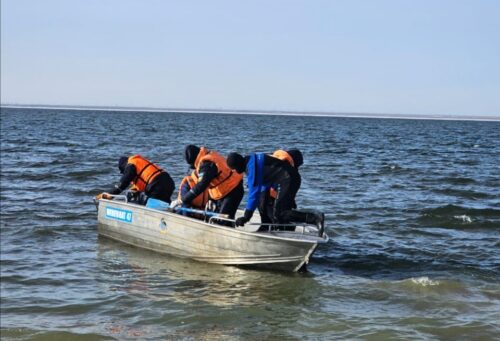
276	171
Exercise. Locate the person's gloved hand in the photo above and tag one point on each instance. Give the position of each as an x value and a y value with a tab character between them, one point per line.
245	219
132	196
241	221
102	196
175	203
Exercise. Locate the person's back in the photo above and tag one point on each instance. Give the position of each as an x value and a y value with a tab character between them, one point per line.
267	199
145	177
263	171
225	187
286	178
213	168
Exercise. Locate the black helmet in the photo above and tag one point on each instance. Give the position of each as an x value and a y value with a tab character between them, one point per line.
122	163
190	154
297	157
236	161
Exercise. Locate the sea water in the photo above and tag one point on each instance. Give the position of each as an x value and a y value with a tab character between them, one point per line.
412	208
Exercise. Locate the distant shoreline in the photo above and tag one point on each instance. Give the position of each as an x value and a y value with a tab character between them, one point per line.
258	112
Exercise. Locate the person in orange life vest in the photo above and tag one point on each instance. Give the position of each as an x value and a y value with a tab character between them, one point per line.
266	203
225	186
145	177
264	171
187	184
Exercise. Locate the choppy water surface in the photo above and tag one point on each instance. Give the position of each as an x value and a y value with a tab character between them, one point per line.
413	208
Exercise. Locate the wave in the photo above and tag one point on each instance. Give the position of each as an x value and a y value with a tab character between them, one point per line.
34	281
457	180
425	284
31	334
448	209
403	263
85	174
468	194
395	169
379	265
452	216
424	281
49	232
45	176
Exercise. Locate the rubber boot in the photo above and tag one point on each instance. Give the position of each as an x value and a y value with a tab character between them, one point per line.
309	217
319	221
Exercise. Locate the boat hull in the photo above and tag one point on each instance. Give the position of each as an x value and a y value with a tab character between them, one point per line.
181	236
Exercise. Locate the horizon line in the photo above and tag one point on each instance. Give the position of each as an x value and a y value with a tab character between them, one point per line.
446	117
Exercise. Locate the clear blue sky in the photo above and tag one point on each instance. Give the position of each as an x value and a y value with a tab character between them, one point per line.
411	57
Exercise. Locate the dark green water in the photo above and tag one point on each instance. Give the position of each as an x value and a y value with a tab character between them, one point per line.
413	209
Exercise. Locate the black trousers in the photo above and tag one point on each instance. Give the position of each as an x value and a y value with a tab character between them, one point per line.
285	201
283	209
230	203
161	187
266	207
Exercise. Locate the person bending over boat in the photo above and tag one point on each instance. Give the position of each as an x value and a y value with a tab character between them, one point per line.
145	177
225	186
264	171
187	183
267	198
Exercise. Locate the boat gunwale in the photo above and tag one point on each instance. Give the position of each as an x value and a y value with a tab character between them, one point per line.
320	240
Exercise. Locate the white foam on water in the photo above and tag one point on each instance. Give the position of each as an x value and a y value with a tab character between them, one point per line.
424	281
464	218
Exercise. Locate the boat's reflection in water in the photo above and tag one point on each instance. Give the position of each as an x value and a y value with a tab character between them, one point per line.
162	277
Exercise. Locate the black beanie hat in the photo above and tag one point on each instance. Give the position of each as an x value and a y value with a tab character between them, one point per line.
191	153
298	159
122	163
236	161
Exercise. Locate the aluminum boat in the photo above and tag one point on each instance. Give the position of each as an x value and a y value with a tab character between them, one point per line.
206	240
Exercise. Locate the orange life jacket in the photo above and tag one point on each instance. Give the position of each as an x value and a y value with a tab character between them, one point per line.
201	200
282	155
225	181
146	172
